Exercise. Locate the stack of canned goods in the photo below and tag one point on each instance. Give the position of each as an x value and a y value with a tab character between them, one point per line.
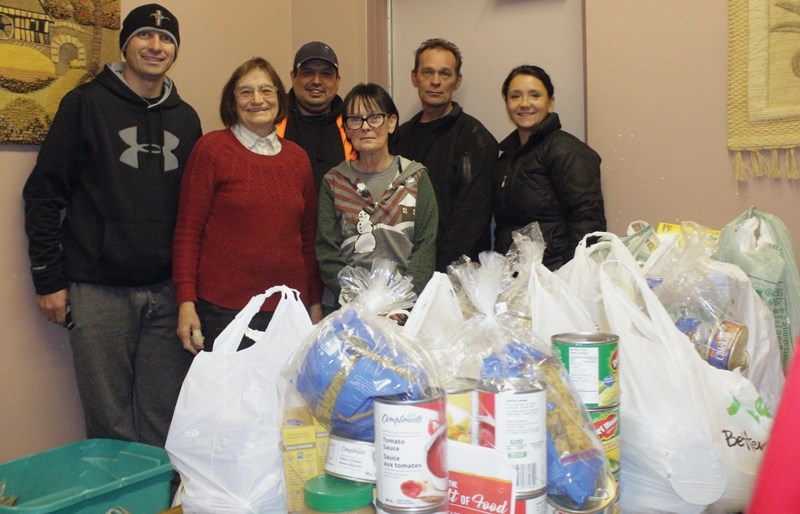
592	361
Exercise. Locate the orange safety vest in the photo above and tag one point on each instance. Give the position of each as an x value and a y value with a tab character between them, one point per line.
349	152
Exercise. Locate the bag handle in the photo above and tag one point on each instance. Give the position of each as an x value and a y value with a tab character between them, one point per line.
229	339
655	322
618	250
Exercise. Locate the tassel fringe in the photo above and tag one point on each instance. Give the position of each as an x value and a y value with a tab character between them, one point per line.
773	167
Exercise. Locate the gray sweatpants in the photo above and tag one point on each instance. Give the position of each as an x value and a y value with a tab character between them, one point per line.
129	362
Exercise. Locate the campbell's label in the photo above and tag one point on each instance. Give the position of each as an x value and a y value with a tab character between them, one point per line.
411	453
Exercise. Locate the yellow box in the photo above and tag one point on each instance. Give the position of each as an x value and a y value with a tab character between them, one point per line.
304	442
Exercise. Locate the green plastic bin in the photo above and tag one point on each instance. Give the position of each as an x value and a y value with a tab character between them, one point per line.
93	476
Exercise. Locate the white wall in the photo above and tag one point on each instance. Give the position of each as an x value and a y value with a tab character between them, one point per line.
494	36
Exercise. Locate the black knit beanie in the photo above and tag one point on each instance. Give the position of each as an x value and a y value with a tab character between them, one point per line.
151	17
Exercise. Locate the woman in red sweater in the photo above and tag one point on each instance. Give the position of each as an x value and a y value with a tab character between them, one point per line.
247	213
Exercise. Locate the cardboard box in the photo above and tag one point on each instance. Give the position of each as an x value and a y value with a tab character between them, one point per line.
304	443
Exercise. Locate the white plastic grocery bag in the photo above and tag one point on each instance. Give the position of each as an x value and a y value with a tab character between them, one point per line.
582	273
225	434
693	434
436	311
555	309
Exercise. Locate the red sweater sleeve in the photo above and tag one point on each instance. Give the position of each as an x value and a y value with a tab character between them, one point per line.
777	488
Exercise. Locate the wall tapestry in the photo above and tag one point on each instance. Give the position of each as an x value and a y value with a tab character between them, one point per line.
764	87
47	47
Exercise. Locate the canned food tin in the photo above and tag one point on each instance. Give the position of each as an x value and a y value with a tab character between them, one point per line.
350	459
531	505
411	452
592	360
515	423
462	411
727	346
606	425
380	508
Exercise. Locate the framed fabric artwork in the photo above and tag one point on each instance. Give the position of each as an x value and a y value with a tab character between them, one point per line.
47	47
764	88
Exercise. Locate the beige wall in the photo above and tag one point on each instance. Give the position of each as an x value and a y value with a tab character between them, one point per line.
39	406
655	108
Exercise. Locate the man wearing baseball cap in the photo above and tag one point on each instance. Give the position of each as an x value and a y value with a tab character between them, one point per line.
100	209
314	120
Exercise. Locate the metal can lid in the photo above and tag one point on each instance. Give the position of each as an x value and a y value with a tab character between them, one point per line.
584	338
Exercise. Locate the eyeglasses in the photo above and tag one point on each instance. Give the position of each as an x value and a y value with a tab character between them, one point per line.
247	93
374	120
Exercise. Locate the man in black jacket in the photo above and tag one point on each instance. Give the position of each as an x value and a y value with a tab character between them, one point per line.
457	150
111	164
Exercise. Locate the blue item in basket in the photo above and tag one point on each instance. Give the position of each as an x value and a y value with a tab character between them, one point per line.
349	363
515	360
574	475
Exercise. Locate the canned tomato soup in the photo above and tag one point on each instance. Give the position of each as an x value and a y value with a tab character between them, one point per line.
514	421
411	452
592	361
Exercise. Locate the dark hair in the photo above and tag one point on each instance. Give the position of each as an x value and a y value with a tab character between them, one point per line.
534	71
227	102
370	94
439	43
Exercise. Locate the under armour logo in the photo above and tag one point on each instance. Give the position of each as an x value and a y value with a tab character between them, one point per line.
159	17
131	155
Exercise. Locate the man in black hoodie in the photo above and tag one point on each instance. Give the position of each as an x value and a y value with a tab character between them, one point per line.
100	208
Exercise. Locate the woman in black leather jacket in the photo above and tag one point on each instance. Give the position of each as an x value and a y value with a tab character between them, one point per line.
544	174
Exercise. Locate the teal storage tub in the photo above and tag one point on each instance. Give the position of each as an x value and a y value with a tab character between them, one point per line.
93	476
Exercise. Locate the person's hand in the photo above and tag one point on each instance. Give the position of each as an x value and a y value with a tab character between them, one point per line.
315	312
54	306
189	328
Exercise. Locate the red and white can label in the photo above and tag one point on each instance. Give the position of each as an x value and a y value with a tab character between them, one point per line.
411	452
515	423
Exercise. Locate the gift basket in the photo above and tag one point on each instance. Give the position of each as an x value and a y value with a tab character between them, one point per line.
515	372
358	353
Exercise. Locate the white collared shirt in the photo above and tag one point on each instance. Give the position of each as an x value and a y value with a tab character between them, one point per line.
269	145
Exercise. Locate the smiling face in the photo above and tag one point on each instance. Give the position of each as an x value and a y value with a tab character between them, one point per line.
258	112
528	102
369	140
148	56
315	84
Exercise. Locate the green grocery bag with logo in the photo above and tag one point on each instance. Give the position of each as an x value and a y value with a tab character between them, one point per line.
760	244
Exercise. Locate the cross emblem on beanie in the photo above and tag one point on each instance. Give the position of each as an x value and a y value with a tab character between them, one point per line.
159	17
